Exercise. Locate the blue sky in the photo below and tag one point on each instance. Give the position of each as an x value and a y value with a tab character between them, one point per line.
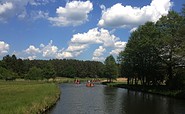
85	30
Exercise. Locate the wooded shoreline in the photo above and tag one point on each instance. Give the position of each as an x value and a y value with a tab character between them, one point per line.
162	90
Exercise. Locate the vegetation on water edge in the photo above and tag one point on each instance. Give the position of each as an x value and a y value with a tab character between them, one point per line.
155	53
160	90
27	97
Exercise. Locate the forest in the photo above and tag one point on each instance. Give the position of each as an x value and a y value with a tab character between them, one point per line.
11	68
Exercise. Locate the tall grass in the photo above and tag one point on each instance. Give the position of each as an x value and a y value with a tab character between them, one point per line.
27	97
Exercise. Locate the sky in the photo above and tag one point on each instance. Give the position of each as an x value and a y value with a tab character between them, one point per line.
73	29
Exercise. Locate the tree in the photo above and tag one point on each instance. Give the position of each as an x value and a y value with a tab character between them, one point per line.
110	68
35	73
155	51
48	71
7	74
171	50
139	60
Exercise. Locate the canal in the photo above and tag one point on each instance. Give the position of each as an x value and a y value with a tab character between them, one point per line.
79	99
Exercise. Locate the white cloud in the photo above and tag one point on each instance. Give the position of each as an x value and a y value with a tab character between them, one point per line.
39	15
119	46
46	51
40	2
4	9
18	8
128	16
64	55
6	6
81	41
133	29
74	13
76	47
49	50
95	36
4	48
32	50
99	52
98	58
32	57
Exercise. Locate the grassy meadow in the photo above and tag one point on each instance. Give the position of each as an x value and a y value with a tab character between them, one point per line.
27	97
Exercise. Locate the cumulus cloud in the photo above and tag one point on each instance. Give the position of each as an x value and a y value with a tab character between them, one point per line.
18	8
64	55
98	58
32	50
32	57
4	48
49	50
76	47
81	41
95	36
98	53
73	14
128	16
119	46
6	6
4	9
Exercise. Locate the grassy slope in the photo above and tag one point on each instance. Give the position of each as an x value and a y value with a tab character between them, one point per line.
27	97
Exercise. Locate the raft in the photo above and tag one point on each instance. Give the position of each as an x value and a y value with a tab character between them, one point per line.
89	85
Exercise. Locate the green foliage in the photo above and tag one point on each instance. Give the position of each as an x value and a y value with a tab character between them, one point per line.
52	68
35	74
69	72
48	71
6	74
110	68
155	51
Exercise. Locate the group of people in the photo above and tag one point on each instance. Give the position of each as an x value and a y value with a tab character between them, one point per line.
90	83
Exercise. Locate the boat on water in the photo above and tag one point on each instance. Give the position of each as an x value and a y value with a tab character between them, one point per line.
89	84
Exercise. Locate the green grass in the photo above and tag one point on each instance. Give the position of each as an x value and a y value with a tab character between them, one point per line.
27	97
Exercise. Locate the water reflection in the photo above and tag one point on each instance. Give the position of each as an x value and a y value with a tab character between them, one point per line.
78	99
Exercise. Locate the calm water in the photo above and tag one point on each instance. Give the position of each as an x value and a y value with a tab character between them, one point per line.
79	99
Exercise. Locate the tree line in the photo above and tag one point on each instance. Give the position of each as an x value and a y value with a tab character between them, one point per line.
155	53
11	67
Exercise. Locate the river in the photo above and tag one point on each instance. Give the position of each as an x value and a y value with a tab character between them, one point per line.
79	99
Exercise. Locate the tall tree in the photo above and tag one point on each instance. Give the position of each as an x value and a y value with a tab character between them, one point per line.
171	52
110	68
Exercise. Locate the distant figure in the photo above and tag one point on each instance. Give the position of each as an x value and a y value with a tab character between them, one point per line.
89	83
76	81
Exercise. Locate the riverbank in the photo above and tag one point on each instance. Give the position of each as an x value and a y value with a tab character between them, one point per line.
27	97
160	90
71	80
